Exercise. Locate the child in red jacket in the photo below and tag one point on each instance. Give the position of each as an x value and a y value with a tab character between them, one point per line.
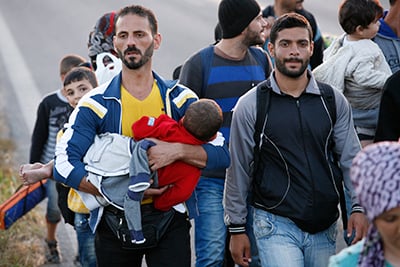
200	124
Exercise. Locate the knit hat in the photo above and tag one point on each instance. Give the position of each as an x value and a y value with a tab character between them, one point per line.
235	15
375	174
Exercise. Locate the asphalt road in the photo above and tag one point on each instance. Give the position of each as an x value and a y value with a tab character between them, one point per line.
35	35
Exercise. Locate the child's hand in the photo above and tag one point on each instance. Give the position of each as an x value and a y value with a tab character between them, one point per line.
153	192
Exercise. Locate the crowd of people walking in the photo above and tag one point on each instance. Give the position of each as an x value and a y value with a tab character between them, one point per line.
273	142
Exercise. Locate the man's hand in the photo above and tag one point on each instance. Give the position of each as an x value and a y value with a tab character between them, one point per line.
164	153
240	249
358	221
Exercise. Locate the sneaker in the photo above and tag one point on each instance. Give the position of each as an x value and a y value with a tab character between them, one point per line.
53	256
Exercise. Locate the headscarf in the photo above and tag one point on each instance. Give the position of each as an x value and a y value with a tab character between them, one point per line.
101	38
375	174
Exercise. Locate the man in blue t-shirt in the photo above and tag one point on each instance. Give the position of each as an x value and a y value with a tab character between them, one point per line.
224	72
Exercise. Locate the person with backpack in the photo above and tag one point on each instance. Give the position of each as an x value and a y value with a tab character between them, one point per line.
305	132
224	72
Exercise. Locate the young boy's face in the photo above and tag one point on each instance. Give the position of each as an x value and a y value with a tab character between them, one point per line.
75	90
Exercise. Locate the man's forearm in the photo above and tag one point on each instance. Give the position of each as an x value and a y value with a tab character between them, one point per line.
87	187
165	153
193	155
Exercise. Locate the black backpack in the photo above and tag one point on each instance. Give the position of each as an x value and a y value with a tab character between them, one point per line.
263	101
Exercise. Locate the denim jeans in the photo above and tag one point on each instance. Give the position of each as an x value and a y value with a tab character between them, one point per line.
255	260
281	243
348	240
210	229
53	213
87	254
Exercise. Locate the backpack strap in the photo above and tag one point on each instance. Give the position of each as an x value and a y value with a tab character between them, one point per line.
206	55
328	96
262	59
263	102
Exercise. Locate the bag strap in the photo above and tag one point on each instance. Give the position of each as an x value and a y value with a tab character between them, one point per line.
328	96
263	102
262	59
207	55
263	92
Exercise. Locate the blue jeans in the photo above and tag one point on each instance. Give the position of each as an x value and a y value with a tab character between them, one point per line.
348	240
255	260
87	254
210	229
53	213
281	243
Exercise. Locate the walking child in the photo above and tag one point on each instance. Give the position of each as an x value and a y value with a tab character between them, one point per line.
52	114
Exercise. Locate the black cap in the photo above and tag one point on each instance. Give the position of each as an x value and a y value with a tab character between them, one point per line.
235	15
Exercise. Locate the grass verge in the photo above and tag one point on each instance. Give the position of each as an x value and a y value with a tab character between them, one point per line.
23	243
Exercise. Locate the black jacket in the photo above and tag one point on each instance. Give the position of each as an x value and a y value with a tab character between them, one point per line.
388	128
296	176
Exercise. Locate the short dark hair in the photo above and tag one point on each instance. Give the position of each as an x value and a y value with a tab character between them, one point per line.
288	21
354	13
80	73
140	11
70	61
203	119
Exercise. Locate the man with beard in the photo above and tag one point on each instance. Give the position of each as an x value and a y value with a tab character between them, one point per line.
224	72
293	183
112	107
281	7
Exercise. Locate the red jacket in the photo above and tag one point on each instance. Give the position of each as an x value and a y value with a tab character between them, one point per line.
182	176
